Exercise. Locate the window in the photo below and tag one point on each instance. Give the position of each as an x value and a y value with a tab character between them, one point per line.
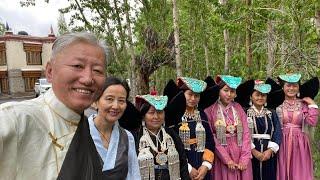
4	84
33	53
30	77
3	59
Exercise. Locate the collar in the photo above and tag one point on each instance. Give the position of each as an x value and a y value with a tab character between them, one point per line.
61	109
225	107
107	155
256	110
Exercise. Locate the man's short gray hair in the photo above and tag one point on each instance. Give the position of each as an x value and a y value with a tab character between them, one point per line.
67	39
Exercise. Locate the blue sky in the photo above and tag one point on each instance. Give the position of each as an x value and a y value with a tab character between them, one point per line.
34	20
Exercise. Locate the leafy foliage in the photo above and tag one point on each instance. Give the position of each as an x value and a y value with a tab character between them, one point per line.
2	28
201	24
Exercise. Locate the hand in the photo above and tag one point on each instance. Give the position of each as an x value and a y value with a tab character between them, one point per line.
242	167
194	173
231	165
257	154
308	100
202	171
267	154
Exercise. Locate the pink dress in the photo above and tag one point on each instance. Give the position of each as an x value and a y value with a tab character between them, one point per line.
294	159
230	151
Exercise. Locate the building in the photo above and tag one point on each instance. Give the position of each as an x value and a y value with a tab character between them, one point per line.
22	61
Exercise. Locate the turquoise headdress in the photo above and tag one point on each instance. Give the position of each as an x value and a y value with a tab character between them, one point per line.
232	81
262	87
194	85
158	102
290	78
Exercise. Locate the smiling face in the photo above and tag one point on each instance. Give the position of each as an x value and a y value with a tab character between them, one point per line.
191	98
112	103
227	95
258	99
290	90
154	119
77	74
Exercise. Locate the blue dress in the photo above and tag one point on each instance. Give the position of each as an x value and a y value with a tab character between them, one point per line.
195	159
266	133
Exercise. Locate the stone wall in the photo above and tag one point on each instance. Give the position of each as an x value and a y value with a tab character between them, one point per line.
16	82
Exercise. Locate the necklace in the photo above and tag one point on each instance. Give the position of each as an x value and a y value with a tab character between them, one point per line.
161	157
103	136
230	124
292	106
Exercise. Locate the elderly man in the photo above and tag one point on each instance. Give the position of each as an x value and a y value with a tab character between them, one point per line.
35	135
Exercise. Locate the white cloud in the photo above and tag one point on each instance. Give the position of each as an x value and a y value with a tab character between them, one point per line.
36	20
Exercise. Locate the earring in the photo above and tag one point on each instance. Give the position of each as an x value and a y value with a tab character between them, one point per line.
250	103
298	94
143	123
265	104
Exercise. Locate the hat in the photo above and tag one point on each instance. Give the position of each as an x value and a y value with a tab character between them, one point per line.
210	82
171	89
194	85
208	97
244	92
131	118
262	87
158	102
175	110
290	78
276	95
310	88
231	81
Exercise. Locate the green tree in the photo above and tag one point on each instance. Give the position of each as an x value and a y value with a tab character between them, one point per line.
2	28
62	25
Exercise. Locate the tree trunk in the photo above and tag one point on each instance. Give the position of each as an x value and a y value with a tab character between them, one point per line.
113	43
283	46
205	47
206	56
134	85
317	16
227	54
271	47
193	58
248	41
119	24
143	83
176	38
110	37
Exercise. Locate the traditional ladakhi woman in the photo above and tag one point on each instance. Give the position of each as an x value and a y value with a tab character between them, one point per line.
265	131
231	134
194	130
295	159
160	151
115	145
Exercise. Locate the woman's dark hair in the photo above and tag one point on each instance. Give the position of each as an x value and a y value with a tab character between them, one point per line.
282	82
184	87
115	81
144	108
221	84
